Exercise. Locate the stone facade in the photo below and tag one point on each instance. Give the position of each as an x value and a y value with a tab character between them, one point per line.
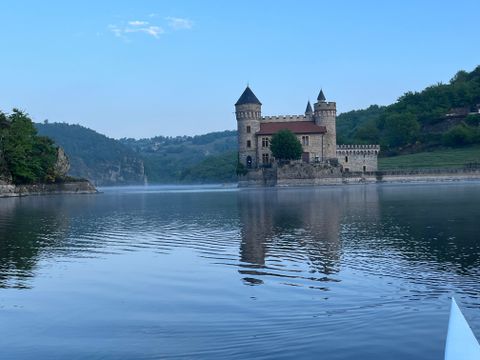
358	158
316	131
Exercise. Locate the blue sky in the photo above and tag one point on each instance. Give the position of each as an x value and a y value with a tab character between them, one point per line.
146	68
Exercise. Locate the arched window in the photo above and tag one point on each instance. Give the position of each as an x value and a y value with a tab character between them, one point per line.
249	162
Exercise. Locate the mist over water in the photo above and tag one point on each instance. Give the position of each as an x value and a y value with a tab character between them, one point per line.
354	272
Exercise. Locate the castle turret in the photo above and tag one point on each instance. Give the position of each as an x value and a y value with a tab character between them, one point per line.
325	114
248	110
308	110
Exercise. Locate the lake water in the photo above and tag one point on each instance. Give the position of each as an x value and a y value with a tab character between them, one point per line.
355	272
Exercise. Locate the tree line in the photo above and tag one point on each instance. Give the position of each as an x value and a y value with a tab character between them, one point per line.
25	156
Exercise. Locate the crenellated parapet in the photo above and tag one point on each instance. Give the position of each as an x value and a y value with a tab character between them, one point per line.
285	118
358	149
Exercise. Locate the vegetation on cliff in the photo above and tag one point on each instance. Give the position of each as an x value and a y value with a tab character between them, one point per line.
26	157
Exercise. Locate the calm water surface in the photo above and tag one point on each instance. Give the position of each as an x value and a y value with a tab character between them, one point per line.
358	272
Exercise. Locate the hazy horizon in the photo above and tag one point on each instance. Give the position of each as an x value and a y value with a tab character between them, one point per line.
146	68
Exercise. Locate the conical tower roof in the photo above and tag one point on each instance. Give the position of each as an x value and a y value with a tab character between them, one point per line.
321	96
308	110
248	97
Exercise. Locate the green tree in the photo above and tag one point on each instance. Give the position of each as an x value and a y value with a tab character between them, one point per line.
30	158
401	129
286	146
460	135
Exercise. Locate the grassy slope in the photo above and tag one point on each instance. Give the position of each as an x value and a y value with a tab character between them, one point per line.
444	158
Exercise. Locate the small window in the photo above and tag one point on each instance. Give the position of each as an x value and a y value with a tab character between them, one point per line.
265	142
249	143
265	158
249	129
305	140
346	159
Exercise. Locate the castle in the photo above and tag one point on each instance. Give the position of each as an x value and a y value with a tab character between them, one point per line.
316	130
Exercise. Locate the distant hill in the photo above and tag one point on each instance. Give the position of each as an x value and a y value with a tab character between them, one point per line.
107	161
95	157
442	115
169	159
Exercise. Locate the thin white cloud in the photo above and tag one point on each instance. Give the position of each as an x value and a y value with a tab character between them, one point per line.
154	31
137	23
179	23
145	27
136	27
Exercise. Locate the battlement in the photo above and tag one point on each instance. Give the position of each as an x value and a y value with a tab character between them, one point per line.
285	118
358	149
325	105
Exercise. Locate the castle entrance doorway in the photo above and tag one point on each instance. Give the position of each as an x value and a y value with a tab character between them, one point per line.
306	157
249	162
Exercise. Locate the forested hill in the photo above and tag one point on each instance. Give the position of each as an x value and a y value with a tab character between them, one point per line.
107	161
442	115
197	158
94	156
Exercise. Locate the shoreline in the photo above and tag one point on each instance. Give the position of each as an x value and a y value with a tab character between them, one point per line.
70	187
267	178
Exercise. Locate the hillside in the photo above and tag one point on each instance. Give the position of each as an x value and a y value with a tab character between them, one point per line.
442	115
169	159
107	161
468	156
95	157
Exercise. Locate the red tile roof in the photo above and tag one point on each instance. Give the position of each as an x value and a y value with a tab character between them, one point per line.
297	127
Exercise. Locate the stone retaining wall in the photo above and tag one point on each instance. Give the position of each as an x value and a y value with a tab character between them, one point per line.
321	174
74	187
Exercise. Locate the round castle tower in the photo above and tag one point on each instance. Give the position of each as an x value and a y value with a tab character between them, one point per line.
325	114
248	111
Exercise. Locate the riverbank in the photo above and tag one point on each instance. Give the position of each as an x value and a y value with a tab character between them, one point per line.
69	187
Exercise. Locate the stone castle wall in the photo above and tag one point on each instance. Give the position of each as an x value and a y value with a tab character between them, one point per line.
301	174
314	147
285	118
358	158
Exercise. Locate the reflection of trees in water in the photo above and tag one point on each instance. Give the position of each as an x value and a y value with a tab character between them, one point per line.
35	228
26	232
297	226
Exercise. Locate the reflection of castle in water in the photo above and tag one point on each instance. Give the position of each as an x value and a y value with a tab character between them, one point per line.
298	228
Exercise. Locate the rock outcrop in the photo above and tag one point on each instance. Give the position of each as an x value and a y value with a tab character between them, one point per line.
62	165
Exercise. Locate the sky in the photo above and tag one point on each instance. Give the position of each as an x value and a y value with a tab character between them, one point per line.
145	68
